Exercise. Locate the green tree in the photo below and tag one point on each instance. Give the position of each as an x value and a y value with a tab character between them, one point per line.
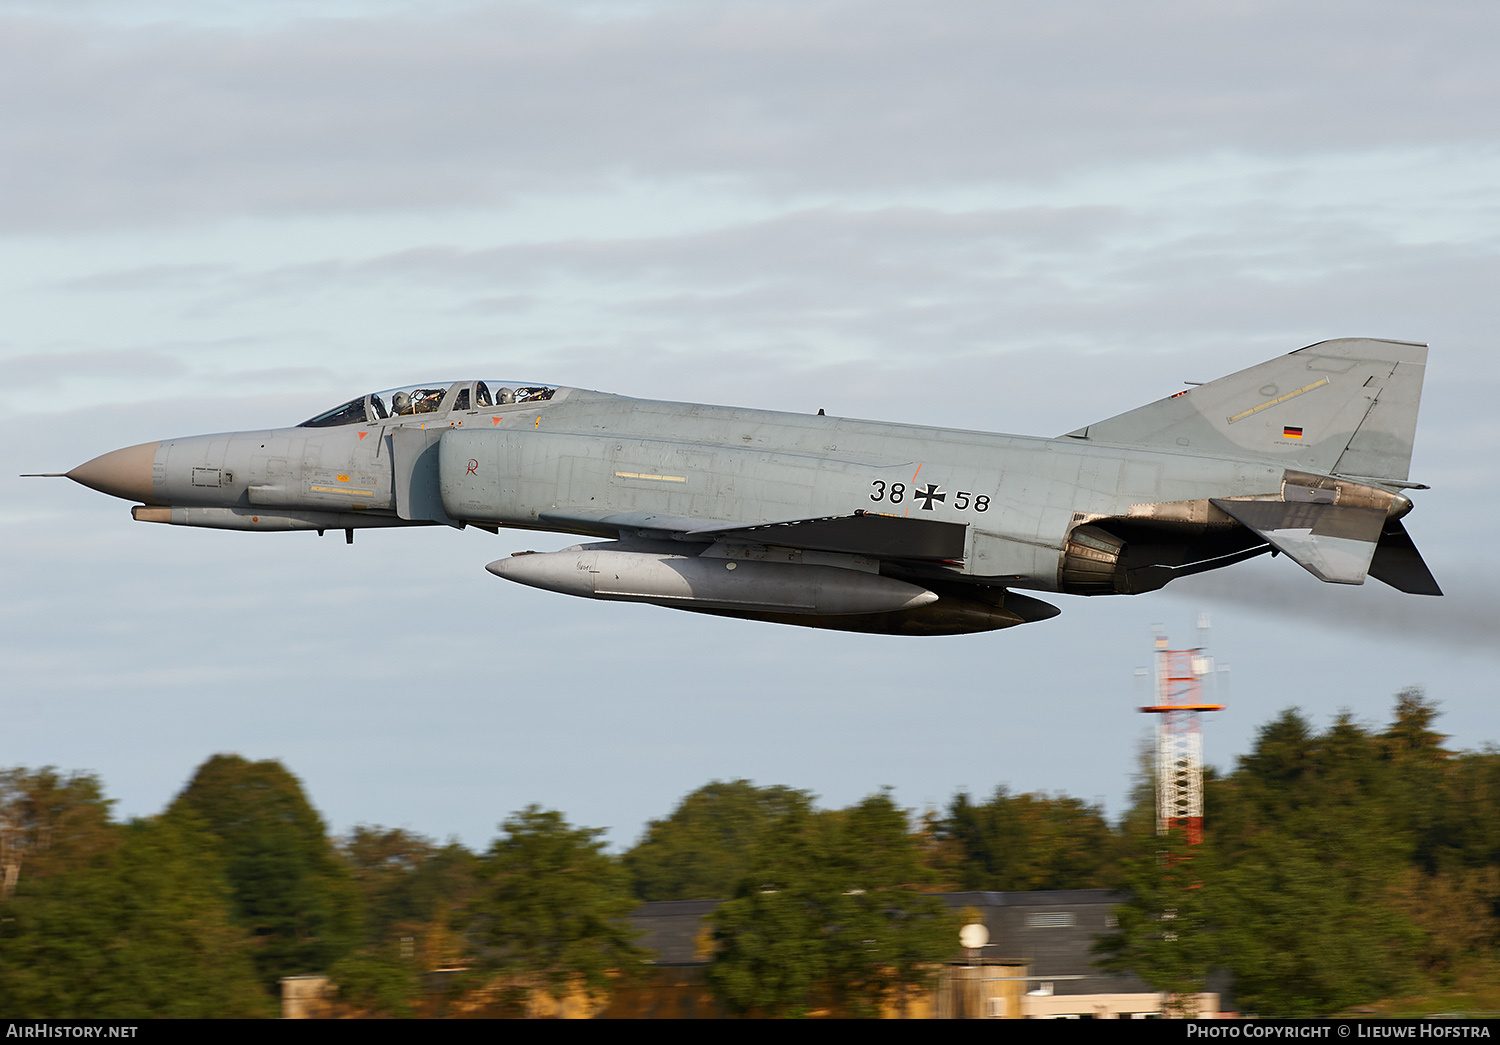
1422	772
410	887
1027	841
1166	933
1471	812
123	922
1308	923
703	849
412	893
553	908
175	950
1307	886
831	909
1269	782
1455	912
50	824
886	936
377	981
1447	804
1313	843
771	948
290	889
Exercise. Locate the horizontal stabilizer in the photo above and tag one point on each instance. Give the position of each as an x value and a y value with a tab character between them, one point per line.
1334	543
865	533
1398	563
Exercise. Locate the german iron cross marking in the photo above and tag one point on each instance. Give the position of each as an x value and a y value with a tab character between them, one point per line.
927	496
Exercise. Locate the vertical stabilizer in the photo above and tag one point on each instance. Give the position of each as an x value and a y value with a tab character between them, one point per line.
1346	407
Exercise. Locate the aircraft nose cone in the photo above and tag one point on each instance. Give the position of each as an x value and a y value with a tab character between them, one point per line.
120	473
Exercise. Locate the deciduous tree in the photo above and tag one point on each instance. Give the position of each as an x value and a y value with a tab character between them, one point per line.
1027	841
553	907
122	922
1166	932
703	849
831	911
290	889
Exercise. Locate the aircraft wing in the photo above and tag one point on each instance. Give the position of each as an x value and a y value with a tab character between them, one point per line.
863	533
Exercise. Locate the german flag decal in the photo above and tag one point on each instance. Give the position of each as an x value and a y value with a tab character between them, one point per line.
1288	432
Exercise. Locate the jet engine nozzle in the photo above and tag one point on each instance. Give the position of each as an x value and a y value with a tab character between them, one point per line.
1091	562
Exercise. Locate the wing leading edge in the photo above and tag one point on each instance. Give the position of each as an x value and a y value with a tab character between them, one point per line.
863	533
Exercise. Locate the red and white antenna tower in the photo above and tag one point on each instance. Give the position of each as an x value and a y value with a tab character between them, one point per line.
1180	702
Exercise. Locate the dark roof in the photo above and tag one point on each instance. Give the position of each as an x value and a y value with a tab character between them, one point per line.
1035	898
671	928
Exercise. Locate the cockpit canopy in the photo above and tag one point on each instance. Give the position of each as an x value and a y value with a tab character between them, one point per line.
432	398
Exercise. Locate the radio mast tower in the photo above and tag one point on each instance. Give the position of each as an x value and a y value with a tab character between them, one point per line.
1180	702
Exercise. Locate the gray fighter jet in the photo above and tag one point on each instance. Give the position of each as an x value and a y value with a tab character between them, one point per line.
837	523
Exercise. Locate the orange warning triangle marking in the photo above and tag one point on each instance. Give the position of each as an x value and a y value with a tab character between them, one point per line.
496	420
363	434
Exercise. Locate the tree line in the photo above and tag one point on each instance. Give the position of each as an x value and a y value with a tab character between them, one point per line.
1338	866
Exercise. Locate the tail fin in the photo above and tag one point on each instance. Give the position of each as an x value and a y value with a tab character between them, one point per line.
1345	407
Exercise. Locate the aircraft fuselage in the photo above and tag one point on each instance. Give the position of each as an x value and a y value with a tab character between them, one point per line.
828	521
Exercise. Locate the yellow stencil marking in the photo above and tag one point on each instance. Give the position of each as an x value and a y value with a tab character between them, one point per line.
658	478
1279	399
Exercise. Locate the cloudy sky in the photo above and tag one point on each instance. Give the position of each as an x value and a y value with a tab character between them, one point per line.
1017	217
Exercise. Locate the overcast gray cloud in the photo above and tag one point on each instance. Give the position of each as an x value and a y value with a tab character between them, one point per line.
880	284
169	121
